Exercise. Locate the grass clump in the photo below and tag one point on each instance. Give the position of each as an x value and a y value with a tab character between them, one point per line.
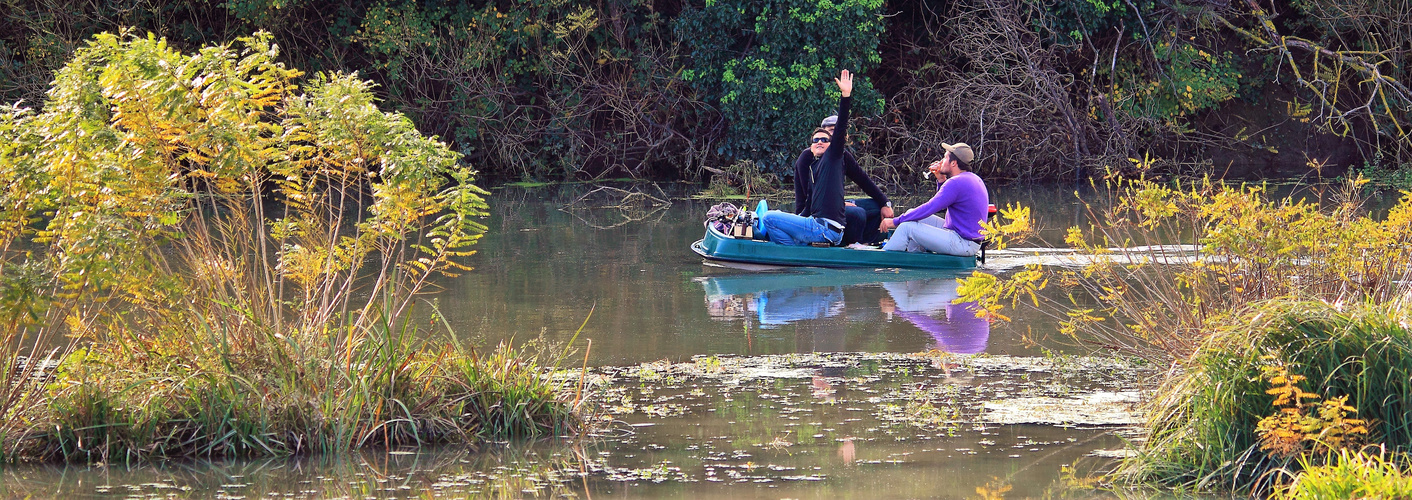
199	398
1217	423
198	257
742	180
1360	474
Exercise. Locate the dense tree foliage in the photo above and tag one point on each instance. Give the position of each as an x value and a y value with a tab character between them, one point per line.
556	89
766	65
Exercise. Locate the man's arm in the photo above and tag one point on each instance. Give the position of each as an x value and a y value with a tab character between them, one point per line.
861	178
840	130
938	203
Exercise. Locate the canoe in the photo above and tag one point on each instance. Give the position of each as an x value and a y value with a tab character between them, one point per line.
719	246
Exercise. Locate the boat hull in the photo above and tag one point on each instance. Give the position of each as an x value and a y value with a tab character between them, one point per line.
718	246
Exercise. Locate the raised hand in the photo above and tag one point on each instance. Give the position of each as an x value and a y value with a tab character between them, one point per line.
845	83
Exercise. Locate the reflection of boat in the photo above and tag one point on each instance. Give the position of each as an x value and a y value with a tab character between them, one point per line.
782	307
740	284
799	294
920	297
718	246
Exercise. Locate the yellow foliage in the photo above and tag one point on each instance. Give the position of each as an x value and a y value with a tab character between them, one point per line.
1164	259
990	294
995	489
1298	427
157	177
1016	225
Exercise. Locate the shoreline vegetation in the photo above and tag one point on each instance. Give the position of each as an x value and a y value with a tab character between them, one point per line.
1285	333
553	90
203	257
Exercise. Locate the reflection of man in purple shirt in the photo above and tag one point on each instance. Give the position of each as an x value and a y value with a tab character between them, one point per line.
918	301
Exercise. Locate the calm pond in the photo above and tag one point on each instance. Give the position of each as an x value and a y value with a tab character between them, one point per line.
717	383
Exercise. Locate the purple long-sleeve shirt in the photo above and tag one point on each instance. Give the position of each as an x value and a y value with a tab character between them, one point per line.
965	201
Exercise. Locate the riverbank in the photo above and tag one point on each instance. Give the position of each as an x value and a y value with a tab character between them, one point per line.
199	397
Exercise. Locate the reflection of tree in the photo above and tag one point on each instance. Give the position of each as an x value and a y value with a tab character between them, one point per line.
919	301
608	207
827	334
775	308
549	471
726	307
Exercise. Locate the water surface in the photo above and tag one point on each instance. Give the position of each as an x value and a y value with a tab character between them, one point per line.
825	400
543	267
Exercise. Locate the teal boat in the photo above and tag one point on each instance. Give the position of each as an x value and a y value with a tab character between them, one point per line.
721	247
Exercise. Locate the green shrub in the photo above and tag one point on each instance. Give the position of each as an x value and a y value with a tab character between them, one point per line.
1192	79
1350	475
1382	172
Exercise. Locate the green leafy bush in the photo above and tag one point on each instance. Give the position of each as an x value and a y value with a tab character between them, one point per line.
1362	474
769	66
1192	80
545	90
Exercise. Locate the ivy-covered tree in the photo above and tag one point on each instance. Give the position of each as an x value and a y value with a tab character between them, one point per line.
769	67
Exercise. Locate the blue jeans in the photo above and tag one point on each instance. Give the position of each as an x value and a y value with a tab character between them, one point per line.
788	229
862	223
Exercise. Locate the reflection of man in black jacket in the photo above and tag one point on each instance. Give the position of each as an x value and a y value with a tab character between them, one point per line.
863	216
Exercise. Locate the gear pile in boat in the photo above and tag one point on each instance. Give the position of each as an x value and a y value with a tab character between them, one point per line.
731	220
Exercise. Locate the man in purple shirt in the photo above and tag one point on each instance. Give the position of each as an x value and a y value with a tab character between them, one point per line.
961	194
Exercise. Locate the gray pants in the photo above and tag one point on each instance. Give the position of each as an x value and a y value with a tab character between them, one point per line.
927	235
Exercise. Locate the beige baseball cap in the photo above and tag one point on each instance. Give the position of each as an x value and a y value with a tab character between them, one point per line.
961	151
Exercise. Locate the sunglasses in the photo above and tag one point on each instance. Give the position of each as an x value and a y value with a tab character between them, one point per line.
817	140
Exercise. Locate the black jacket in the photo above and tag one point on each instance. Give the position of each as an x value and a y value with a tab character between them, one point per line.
804	181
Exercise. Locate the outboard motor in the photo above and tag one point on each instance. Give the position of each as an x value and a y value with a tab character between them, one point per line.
985	243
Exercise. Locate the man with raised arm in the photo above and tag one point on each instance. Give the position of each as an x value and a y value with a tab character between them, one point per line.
863	215
823	220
